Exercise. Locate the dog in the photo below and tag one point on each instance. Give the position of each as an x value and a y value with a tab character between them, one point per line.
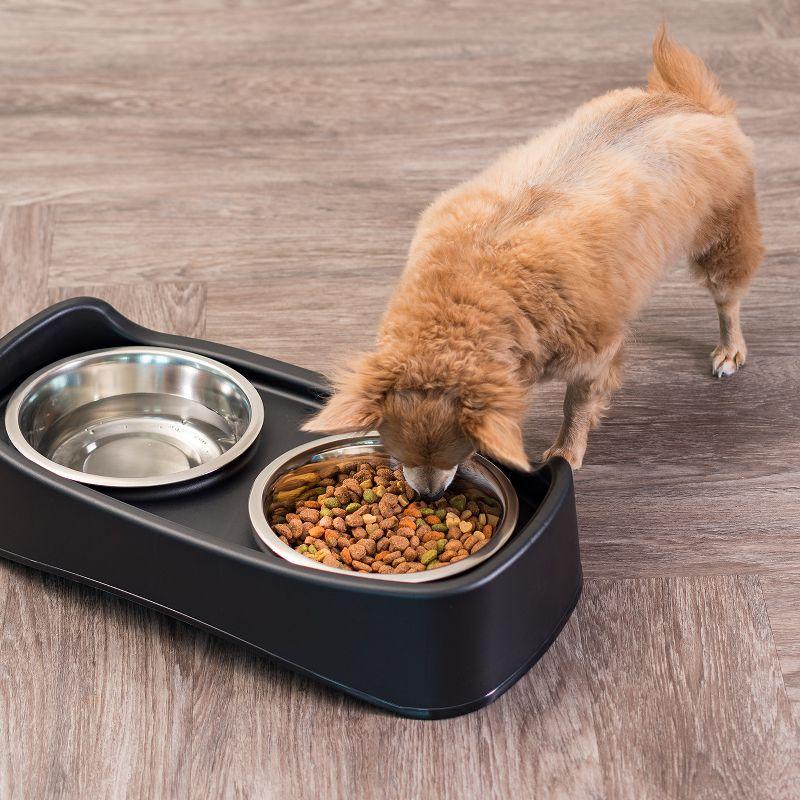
536	268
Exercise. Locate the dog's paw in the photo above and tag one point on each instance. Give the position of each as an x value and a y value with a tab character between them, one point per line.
575	460
726	359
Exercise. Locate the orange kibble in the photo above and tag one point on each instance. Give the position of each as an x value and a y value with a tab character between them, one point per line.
433	520
487	531
408	522
317	532
412	511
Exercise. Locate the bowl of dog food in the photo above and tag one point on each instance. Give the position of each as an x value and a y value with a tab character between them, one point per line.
341	504
131	417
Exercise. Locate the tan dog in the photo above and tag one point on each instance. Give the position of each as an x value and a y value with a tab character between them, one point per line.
535	269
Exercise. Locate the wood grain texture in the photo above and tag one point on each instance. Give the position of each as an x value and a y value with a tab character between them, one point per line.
782	593
252	172
95	698
26	237
694	658
178	308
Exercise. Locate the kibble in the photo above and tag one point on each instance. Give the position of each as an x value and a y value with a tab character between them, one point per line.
364	517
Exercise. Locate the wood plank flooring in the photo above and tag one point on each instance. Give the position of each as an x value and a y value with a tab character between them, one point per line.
251	173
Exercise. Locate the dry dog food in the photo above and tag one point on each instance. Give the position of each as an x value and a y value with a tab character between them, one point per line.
364	517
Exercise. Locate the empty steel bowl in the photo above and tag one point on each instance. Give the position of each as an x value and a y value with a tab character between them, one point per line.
134	417
305	465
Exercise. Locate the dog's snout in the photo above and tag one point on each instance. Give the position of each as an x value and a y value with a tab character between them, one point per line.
429	482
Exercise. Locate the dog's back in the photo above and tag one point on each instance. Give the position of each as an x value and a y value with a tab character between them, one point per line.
615	192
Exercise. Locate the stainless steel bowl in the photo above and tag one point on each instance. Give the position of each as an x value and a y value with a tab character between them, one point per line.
301	465
134	417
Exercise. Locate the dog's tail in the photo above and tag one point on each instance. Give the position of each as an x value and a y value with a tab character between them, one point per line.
677	70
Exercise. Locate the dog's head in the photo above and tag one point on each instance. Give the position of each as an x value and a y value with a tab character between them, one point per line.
430	425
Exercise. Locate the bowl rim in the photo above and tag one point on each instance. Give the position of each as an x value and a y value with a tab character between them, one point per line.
268	540
23	391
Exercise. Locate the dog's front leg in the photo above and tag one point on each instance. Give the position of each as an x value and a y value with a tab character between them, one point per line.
584	404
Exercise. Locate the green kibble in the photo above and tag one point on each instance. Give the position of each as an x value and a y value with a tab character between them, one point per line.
367	484
279	520
331	502
459	502
419	521
428	556
441	527
492	519
326	512
427	512
351	507
312	549
433	564
440	545
302	548
369	496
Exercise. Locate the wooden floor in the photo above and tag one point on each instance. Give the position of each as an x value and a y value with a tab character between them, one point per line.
251	172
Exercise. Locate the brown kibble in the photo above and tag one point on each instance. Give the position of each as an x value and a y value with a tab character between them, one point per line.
387	504
380	534
331	538
352	485
354	520
308	515
295	524
357	551
398	542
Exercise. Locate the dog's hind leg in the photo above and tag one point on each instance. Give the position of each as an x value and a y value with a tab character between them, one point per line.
729	252
584	403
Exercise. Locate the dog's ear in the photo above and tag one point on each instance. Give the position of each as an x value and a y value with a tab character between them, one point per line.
498	435
347	410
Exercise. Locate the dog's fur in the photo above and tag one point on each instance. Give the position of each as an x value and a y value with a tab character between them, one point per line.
535	269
